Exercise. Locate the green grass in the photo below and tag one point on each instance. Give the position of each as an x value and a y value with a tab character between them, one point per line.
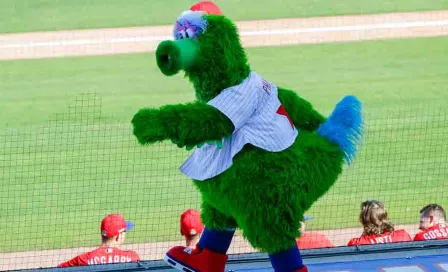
38	15
60	177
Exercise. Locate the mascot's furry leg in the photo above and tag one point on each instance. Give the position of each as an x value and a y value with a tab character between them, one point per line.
219	230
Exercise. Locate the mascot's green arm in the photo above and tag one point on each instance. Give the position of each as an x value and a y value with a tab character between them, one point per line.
302	113
184	124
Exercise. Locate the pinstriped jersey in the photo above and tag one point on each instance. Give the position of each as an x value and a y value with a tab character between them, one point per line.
259	119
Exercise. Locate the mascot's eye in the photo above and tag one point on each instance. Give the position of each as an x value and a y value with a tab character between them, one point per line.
182	34
189	33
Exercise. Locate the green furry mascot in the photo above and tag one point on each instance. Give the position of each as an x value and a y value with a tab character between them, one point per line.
262	154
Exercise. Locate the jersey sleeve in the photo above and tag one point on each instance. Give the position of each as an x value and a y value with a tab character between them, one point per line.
313	240
325	242
238	103
79	260
353	242
135	257
407	237
403	236
419	237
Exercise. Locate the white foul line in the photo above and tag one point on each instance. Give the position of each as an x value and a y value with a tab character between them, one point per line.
243	34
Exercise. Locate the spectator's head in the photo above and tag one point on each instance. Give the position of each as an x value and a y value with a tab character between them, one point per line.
303	223
374	218
113	229
191	227
431	215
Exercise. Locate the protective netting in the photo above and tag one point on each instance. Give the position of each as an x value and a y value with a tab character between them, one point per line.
59	180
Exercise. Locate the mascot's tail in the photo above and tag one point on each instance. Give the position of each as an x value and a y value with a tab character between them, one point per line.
344	127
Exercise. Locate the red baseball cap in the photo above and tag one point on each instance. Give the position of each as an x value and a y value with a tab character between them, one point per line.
206	6
190	223
114	224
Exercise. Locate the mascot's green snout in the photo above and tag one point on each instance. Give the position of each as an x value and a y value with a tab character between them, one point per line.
262	154
173	56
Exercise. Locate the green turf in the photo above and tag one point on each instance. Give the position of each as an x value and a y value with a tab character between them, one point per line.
59	177
37	15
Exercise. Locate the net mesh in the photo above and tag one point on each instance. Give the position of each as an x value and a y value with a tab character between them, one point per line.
61	179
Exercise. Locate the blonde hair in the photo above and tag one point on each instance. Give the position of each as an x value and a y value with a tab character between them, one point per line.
374	218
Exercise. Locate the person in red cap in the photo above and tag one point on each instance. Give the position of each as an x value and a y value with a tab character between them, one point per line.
113	233
310	240
191	227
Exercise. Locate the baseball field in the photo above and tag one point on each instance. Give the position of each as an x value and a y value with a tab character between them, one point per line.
67	155
43	15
